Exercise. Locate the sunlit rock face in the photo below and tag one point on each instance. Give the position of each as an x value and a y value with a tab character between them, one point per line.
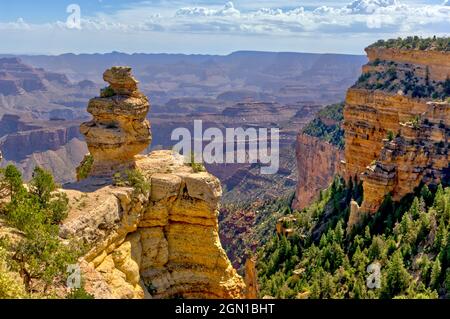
162	242
119	129
394	142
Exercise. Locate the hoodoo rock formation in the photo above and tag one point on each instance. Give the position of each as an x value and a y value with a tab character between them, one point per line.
119	129
396	130
156	243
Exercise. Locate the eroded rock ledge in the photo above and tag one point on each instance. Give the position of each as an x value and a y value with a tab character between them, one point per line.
395	142
163	245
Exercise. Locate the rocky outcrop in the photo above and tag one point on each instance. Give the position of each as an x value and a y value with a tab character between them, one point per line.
251	279
418	154
161	241
437	62
394	142
163	244
368	117
317	164
119	129
355	216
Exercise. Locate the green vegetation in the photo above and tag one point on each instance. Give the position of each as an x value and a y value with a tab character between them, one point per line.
327	125
132	178
79	293
253	233
416	122
390	136
107	92
409	241
11	287
333	112
393	78
196	167
85	167
415	43
37	254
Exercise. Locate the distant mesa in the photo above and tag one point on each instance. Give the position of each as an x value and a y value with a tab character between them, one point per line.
86	84
17	78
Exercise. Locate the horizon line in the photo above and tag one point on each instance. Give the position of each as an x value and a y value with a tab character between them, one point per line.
166	53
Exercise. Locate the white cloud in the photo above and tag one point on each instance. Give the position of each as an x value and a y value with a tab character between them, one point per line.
359	16
227	11
370	6
362	18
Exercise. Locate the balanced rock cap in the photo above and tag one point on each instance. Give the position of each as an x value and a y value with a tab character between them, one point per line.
119	129
121	80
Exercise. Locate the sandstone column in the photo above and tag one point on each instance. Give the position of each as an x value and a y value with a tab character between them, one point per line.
119	129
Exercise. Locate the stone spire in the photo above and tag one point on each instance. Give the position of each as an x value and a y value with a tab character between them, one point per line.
119	129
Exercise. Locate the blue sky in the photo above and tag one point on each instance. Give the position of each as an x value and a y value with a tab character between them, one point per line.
215	27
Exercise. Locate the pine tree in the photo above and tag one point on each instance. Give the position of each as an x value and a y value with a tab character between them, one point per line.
415	209
440	240
339	233
397	277
426	194
439	201
436	273
42	185
10	181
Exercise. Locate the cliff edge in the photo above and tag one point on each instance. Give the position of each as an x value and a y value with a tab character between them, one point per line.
397	124
159	241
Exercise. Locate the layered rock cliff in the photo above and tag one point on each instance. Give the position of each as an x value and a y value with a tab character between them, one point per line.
396	130
164	244
157	243
56	146
318	154
317	164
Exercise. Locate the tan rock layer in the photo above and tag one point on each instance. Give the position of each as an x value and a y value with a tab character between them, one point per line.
418	154
163	245
119	129
438	62
368	117
251	279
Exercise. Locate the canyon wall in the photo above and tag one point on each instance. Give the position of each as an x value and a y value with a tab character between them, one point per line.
317	164
56	146
18	146
395	140
319	152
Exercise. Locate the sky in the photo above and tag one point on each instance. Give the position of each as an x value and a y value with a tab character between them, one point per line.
213	26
